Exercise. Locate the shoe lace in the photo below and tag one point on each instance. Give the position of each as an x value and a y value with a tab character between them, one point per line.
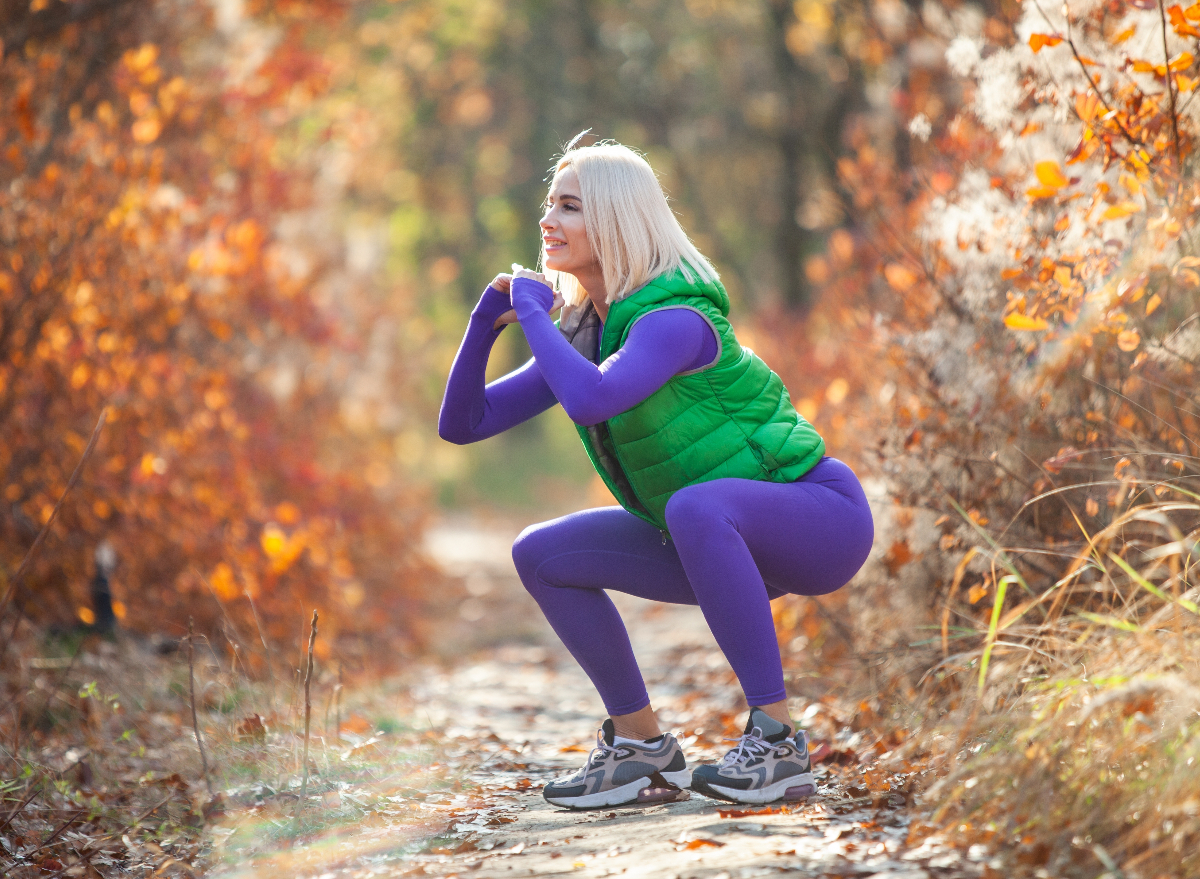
750	745
596	756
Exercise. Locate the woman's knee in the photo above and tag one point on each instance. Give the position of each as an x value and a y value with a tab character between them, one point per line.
530	549
689	506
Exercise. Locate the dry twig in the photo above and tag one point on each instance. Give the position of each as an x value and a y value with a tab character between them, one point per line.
192	687
312	640
33	791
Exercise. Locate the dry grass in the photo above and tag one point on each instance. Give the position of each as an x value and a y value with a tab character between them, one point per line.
1068	737
101	774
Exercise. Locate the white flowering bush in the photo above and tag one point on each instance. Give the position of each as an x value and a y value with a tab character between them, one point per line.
1040	265
1045	302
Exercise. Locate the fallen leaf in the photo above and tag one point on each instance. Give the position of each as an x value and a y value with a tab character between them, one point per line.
823	752
252	729
1033	855
742	813
701	842
897	556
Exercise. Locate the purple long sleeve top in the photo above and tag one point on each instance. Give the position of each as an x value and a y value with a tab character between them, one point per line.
660	345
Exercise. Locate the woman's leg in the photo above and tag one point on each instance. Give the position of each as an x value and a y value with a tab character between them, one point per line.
743	542
566	564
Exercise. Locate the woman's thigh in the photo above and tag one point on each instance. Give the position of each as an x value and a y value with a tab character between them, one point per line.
603	548
807	537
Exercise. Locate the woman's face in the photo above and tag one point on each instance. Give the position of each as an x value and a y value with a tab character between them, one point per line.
564	236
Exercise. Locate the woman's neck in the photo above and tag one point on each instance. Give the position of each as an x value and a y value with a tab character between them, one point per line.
599	304
593	285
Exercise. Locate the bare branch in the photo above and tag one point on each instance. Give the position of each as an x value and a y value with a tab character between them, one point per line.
192	686
312	640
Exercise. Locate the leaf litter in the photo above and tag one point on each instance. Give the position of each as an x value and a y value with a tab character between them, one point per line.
458	792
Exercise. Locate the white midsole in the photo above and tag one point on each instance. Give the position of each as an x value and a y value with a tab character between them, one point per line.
768	794
626	793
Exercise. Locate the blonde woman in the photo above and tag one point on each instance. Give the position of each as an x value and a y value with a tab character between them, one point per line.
727	499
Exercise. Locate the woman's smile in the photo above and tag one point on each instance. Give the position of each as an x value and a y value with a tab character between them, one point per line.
564	233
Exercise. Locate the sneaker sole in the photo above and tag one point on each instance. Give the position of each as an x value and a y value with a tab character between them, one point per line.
629	794
798	787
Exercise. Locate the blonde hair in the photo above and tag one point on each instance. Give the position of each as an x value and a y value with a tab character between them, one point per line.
632	230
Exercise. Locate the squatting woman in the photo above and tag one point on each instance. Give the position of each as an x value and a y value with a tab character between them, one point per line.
727	499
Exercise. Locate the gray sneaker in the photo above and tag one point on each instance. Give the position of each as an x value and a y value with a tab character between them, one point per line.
761	769
625	774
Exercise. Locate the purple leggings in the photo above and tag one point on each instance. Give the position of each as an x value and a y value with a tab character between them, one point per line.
736	545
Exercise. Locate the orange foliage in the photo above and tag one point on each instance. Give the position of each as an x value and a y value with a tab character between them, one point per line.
142	269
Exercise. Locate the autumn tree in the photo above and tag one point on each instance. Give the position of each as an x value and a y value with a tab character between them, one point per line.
165	258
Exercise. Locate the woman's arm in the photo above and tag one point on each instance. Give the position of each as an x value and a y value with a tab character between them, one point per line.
659	346
472	411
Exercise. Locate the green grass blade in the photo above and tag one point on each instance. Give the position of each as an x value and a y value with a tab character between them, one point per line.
1151	588
1000	553
1114	622
1001	589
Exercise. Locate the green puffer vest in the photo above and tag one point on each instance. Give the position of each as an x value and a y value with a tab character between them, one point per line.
732	418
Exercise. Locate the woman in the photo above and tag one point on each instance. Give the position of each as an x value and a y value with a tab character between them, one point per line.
727	499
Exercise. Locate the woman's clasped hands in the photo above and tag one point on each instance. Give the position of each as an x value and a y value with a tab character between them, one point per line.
534	295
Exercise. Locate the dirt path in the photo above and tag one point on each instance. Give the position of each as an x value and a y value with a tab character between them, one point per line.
442	774
533	713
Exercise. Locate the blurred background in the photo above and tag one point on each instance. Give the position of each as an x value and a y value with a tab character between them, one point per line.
253	231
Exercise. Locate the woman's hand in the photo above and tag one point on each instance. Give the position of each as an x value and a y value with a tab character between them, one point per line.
502	283
510	316
522	272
